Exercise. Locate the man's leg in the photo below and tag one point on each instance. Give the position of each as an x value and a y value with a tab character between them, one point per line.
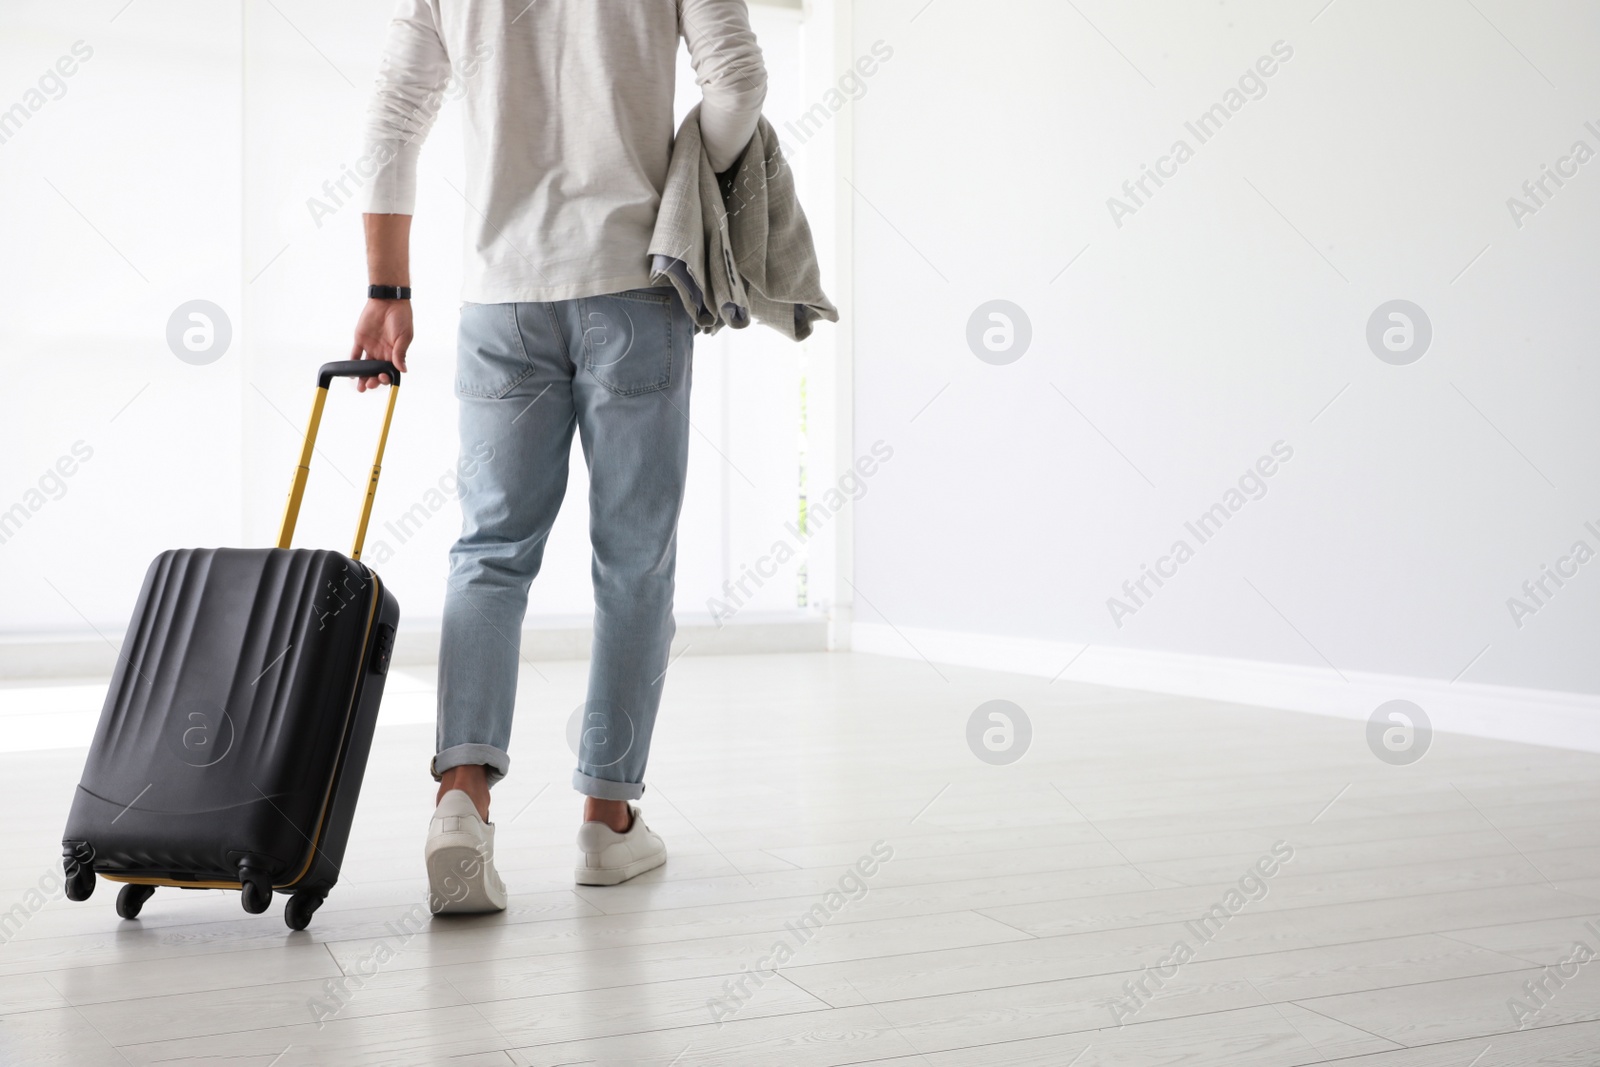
631	395
514	381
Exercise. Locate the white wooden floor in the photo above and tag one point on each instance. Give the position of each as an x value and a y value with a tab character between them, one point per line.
1019	906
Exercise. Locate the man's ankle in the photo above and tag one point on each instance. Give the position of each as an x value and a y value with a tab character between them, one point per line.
473	780
616	814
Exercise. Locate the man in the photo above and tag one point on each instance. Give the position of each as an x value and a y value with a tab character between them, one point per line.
569	128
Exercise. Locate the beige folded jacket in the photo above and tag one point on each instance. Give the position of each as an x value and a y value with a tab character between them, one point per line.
738	247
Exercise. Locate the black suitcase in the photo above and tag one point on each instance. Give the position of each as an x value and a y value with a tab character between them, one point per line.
235	733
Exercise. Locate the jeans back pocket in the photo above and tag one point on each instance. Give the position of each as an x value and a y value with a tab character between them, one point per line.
491	356
628	339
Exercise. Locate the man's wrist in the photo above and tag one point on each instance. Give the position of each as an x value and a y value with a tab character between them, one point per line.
388	292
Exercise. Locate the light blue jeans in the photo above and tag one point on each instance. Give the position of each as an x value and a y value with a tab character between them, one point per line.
616	368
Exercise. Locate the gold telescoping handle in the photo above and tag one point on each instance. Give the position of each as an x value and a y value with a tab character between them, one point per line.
377	467
352	368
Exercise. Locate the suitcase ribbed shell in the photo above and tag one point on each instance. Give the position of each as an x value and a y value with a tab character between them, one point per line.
229	715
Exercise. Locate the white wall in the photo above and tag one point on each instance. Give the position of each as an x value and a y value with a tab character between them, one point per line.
1224	316
192	140
120	204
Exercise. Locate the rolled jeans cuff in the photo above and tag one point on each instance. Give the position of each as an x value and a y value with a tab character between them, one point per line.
467	755
604	788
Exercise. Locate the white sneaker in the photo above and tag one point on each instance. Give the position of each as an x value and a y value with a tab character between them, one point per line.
606	857
460	856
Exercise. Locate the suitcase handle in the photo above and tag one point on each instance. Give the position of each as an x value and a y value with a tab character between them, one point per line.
356	368
350	368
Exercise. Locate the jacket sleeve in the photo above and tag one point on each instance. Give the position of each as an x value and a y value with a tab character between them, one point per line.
411	81
732	77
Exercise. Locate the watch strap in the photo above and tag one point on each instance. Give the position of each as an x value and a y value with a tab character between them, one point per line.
388	292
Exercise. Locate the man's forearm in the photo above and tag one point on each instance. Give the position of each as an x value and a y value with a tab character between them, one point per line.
384	329
732	76
388	249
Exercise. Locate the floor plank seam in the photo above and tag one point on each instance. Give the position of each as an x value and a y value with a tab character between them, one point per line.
1265	911
1287	913
510	1044
1190	1015
834	963
1081	870
1425	1044
822	1005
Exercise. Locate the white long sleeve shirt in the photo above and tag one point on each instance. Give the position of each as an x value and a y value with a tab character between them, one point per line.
569	127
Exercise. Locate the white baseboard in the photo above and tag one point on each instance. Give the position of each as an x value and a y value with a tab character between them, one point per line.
1506	713
85	656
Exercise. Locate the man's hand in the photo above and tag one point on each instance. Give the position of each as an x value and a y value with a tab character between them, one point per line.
383	332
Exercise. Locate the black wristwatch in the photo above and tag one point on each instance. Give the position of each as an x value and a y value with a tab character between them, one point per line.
388	292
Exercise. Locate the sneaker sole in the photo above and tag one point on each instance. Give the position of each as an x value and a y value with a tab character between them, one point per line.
457	892
616	875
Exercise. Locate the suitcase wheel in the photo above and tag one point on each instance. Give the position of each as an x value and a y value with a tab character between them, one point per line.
80	879
256	896
297	913
257	886
131	898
